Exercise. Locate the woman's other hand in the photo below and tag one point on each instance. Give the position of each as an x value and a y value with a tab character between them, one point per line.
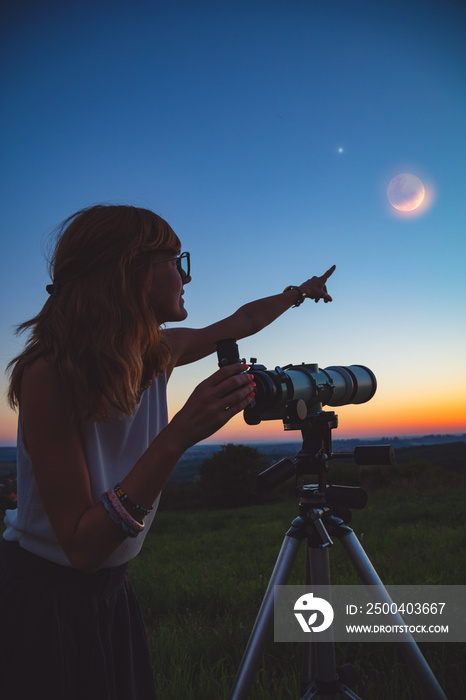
213	403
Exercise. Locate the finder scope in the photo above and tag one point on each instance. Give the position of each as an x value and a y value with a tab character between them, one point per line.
293	392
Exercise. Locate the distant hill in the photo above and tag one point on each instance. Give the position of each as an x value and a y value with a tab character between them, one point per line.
7	461
450	455
7	454
442	450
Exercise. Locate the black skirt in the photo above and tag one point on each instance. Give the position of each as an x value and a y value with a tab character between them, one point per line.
67	635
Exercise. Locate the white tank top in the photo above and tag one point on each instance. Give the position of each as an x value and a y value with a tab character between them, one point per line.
111	449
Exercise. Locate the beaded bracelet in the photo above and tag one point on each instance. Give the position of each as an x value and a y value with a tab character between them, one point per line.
119	515
126	517
115	517
125	499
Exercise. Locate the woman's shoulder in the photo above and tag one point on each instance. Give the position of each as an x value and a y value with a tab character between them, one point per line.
38	371
41	387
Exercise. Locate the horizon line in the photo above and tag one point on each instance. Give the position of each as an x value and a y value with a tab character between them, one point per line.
298	439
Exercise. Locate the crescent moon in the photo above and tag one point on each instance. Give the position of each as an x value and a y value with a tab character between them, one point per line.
405	192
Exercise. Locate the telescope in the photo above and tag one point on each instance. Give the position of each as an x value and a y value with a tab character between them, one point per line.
294	392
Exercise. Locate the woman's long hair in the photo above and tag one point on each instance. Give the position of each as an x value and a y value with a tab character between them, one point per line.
98	328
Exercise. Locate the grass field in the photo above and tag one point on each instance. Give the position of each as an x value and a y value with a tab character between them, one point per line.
202	574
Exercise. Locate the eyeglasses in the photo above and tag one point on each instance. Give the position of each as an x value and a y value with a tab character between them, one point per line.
183	264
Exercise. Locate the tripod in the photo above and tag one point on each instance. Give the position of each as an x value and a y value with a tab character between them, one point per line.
323	512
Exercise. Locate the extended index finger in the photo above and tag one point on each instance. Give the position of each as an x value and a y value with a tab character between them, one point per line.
329	272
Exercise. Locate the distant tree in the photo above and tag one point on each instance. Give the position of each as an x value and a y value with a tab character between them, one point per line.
228	479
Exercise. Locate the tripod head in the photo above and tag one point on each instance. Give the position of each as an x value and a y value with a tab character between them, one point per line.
316	453
314	459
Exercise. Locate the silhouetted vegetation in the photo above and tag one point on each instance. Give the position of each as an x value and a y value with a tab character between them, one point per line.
229	478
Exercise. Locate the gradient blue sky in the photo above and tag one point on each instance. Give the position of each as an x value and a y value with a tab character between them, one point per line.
266	133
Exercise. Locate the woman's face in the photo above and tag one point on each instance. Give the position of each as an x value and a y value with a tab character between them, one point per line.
168	287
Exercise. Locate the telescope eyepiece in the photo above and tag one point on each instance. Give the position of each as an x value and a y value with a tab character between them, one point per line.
227	352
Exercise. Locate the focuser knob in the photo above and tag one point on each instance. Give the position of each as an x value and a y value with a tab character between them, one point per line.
295	411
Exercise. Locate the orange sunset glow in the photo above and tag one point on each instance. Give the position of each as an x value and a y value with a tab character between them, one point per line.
362	421
371	420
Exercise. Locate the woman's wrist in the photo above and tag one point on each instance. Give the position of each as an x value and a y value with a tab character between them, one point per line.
298	292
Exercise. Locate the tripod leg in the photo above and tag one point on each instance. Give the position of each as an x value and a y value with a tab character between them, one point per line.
409	648
324	683
324	652
257	641
308	647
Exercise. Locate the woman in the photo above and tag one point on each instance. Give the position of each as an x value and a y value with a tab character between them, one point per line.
95	447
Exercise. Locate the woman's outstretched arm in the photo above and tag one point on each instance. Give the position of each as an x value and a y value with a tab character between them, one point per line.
190	344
